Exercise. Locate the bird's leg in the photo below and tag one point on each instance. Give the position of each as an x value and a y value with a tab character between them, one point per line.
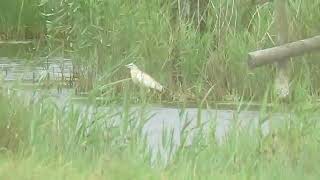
143	93
159	96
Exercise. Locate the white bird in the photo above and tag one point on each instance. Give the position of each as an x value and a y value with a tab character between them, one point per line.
140	77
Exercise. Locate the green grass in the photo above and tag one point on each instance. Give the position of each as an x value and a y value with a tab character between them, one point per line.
40	141
105	35
186	56
20	19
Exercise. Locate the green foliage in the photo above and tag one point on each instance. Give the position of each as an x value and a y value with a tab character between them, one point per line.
20	19
47	142
205	43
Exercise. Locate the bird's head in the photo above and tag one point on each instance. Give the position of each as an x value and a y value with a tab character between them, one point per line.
131	66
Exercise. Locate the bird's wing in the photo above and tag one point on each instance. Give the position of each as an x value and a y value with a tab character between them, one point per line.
148	81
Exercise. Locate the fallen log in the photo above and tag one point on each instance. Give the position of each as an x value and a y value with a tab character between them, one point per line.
283	52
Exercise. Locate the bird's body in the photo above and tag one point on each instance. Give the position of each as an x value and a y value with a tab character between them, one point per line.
140	77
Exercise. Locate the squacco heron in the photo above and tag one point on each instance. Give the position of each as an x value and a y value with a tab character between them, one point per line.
142	78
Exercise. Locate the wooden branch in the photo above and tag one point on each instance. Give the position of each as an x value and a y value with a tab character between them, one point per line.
282	52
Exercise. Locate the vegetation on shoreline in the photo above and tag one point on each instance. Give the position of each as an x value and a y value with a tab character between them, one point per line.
41	140
188	47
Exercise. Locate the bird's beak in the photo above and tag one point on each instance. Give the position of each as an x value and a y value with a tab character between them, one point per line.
127	65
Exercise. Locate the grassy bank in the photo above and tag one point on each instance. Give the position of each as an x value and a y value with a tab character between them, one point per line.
189	47
43	141
187	52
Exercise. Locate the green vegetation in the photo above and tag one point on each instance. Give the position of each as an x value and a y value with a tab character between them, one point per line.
20	19
199	54
187	52
43	141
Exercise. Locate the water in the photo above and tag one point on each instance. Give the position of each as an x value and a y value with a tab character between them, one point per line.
172	123
19	69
